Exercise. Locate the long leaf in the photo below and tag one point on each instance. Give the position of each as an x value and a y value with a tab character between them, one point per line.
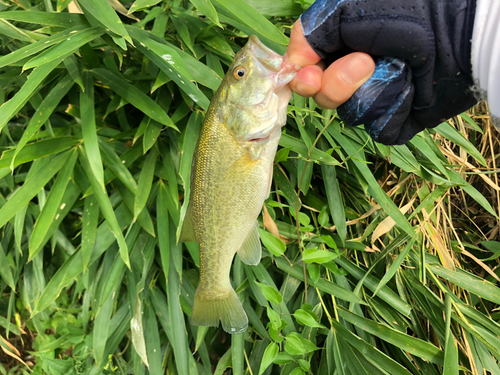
31	188
46	18
106	208
134	96
43	112
410	344
51	206
89	128
65	48
10	108
105	14
251	18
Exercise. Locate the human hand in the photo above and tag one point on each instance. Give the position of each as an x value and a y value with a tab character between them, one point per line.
422	56
332	86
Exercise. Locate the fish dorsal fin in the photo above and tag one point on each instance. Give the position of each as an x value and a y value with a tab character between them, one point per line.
187	232
251	250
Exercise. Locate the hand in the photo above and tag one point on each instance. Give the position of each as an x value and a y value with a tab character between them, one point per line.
333	86
422	55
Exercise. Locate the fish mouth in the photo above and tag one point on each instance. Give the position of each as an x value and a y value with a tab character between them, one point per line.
271	64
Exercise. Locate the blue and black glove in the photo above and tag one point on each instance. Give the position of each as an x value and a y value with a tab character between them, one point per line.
422	51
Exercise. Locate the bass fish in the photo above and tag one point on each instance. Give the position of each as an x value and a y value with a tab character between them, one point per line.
231	177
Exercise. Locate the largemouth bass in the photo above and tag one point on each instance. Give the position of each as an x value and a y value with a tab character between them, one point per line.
231	177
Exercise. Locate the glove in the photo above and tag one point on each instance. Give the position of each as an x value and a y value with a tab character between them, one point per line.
422	51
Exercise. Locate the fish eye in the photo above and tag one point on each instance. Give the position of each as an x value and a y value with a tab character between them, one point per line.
239	72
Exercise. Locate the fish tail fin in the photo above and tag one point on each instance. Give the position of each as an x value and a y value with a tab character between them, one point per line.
210	307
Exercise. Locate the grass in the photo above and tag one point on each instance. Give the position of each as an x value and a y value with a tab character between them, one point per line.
377	260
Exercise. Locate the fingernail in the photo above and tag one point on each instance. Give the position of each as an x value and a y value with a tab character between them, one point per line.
356	68
304	89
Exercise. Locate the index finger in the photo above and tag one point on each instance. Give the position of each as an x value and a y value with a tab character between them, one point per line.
299	51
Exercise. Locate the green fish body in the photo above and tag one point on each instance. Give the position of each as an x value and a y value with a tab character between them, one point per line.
231	177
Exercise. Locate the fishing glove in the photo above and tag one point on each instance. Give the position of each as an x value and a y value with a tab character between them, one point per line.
422	52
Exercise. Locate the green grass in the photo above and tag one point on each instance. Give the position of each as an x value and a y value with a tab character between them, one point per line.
377	260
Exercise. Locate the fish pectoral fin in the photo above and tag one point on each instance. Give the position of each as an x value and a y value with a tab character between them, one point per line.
251	250
187	232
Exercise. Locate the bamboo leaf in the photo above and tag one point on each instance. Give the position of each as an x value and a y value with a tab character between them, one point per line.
106	208
46	18
137	329
179	337
151	134
269	356
317	256
394	266
40	45
74	70
321	284
101	329
118	167
5	270
410	344
38	150
171	64
106	15
453	135
272	243
271	294
142	4
89	229
163	228
73	266
300	147
144	218
375	356
197	70
206	7
89	129
244	13
145	182
11	107
451	353
42	114
65	48
295	344
335	202
11	31
134	96
467	281
153	346
51	206
375	189
371	283
31	187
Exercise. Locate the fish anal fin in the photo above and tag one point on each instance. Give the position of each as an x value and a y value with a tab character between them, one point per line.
251	250
187	232
209	307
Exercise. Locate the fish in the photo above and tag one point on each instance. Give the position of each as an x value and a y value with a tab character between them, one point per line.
231	177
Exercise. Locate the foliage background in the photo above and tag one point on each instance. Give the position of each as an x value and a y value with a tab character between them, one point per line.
391	263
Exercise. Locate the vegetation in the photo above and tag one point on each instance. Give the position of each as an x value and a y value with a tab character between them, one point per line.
377	260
